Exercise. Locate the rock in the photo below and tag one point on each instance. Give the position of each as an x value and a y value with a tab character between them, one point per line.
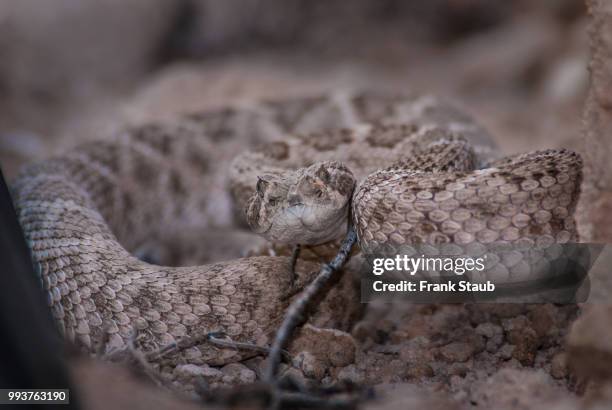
416	355
237	373
330	347
416	326
351	373
456	352
383	330
295	375
525	340
494	343
362	331
309	365
494	334
478	342
417	350
419	371
542	319
526	347
457	369
257	364
505	352
515	325
489	330
390	372
558	366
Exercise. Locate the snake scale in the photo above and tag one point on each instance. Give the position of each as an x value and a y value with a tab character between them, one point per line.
411	167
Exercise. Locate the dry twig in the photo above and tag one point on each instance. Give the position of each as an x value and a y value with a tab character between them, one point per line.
296	310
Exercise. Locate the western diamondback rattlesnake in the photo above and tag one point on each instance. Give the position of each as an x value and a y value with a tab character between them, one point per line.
411	181
83	212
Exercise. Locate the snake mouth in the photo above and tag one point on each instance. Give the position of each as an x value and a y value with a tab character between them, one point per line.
317	225
297	211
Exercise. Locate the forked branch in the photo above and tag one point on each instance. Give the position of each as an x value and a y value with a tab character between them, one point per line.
296	310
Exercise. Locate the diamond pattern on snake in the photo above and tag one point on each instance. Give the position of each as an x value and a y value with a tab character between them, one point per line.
403	168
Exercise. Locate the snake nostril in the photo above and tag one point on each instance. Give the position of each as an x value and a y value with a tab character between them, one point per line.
294	200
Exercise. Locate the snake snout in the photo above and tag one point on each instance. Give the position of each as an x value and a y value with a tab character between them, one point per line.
294	200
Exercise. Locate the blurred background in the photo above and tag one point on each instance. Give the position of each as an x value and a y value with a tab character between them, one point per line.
72	70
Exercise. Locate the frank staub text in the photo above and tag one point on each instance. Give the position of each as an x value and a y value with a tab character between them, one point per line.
403	273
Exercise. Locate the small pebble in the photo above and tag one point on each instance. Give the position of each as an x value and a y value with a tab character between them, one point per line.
558	366
456	352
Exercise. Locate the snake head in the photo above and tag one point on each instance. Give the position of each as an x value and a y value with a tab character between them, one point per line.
308	206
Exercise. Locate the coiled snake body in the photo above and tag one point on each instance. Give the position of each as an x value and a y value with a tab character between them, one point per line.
423	172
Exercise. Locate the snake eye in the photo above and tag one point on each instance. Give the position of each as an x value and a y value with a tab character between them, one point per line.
272	201
323	175
261	186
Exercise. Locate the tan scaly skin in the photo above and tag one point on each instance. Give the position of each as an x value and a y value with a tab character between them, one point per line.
85	211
